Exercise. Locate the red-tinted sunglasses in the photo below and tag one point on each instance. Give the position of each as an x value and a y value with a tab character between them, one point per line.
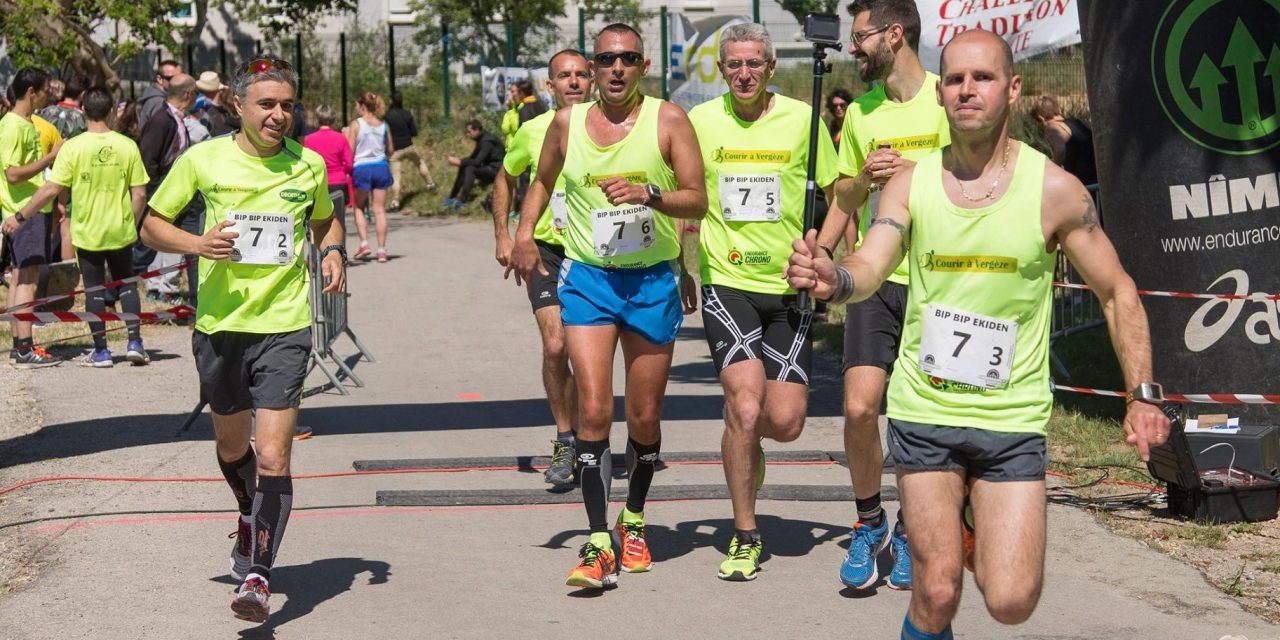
264	65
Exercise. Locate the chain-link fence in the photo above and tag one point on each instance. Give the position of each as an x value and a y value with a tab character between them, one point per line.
335	67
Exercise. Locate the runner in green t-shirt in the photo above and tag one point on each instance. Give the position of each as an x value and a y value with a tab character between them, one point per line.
570	84
104	172
23	167
756	169
253	320
885	130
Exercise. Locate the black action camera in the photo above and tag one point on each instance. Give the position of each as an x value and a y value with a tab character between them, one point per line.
822	28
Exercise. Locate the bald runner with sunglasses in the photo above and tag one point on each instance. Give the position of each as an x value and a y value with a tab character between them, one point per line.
756	163
886	130
253	320
631	167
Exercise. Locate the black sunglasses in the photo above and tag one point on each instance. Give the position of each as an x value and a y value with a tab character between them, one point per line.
264	65
629	58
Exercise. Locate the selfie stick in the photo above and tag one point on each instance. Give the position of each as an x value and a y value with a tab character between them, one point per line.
820	68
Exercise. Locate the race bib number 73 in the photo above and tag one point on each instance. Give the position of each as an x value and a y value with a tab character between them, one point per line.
967	347
265	238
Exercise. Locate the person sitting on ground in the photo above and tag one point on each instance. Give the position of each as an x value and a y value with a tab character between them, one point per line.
483	164
1070	139
104	171
403	129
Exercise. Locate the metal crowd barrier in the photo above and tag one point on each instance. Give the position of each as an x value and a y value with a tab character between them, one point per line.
1074	310
329	321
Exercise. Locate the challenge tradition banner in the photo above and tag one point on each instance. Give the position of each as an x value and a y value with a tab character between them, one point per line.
1185	100
1029	26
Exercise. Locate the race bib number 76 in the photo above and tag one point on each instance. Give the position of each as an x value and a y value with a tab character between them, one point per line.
967	347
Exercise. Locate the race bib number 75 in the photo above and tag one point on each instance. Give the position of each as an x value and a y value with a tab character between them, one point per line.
265	238
967	347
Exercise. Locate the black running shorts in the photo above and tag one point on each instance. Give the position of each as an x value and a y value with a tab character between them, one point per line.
994	456
741	325
873	328
240	371
542	289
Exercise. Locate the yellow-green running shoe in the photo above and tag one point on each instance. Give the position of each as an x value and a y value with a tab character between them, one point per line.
743	562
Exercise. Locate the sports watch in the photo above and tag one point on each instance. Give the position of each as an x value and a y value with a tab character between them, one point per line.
1148	392
654	192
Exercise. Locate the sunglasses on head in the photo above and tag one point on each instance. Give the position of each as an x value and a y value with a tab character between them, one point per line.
264	65
629	58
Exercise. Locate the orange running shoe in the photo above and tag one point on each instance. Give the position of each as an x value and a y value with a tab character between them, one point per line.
598	569
635	551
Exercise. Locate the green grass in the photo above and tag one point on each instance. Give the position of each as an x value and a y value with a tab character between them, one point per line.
1199	535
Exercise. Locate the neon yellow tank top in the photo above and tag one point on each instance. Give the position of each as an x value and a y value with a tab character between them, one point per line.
975	341
523	153
600	234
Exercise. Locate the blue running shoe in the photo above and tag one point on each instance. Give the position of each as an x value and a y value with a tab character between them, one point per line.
900	577
98	359
859	569
137	354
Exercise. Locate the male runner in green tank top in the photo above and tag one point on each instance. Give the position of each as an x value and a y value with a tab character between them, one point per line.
631	166
981	223
892	126
570	83
755	148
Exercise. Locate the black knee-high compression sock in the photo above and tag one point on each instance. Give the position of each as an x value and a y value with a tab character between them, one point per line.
271	506
242	477
640	467
596	475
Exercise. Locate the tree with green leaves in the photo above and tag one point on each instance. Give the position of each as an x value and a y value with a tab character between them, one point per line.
802	8
479	28
51	34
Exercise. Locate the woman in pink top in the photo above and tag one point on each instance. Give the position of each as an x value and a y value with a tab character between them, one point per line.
336	151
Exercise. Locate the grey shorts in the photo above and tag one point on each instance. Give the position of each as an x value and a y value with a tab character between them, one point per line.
32	242
240	371
983	454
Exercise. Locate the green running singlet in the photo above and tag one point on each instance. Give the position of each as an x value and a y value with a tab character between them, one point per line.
975	342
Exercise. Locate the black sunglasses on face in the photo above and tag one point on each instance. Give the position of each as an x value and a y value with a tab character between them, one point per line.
629	58
263	65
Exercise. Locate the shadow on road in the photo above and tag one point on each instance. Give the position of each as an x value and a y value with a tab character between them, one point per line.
783	537
309	585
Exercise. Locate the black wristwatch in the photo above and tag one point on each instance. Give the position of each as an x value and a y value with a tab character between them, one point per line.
21	218
1148	392
655	194
334	247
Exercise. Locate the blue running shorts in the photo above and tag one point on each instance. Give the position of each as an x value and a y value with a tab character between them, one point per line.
370	176
644	301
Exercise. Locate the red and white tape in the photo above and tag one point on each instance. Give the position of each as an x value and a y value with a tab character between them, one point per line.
102	287
50	317
1192	398
1181	294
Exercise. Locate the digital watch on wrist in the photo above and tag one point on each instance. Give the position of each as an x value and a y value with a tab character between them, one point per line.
655	193
1148	392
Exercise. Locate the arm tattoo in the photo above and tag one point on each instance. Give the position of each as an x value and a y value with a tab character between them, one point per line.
902	231
1090	218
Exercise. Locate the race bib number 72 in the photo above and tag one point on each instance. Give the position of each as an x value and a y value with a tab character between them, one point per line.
265	238
967	347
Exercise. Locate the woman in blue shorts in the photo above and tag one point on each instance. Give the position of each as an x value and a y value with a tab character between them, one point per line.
371	173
